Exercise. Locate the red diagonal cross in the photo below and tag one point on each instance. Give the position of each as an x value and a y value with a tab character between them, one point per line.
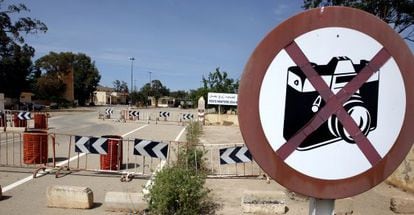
334	103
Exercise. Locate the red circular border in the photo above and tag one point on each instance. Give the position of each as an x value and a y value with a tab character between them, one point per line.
249	91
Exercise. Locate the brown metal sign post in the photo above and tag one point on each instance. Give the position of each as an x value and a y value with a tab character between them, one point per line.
325	102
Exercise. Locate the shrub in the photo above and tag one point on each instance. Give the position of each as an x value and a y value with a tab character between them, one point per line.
178	190
194	130
193	159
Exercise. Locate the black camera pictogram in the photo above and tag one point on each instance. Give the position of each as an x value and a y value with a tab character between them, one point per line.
303	102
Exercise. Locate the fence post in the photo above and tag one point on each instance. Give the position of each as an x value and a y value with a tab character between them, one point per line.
70	144
54	149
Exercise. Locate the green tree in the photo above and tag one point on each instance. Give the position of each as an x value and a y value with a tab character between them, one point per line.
196	94
86	77
138	98
219	82
120	86
181	98
156	89
398	13
50	87
179	94
85	74
15	54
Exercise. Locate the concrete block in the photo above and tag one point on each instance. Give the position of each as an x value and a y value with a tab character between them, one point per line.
264	202
402	205
344	206
125	202
59	196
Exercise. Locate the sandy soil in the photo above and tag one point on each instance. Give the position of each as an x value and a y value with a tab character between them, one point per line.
229	192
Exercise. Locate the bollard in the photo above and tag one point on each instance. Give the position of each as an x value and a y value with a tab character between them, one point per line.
112	160
35	147
40	121
18	122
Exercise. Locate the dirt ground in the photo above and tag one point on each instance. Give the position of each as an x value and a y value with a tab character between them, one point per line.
229	192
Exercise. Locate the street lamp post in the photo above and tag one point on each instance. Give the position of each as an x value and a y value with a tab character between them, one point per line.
148	93
132	73
150	78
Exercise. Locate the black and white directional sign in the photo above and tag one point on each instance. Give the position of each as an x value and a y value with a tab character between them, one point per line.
151	149
239	154
134	113
164	114
24	116
109	111
92	145
188	116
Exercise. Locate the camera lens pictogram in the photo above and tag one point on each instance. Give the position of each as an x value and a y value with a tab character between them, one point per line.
300	93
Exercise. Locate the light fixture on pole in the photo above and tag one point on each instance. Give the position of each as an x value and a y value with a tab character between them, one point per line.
132	72
150	78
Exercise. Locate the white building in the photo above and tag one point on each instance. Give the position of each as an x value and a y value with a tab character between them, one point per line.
108	96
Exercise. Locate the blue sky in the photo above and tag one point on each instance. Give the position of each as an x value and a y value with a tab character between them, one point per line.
178	41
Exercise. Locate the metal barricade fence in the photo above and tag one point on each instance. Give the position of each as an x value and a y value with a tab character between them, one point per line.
212	156
158	116
63	152
29	149
24	119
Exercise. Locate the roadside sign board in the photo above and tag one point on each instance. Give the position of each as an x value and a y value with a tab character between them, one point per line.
222	99
325	100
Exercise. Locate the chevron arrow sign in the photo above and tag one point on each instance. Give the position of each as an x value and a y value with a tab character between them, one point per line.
24	116
164	114
188	116
91	145
134	113
151	149
239	154
109	111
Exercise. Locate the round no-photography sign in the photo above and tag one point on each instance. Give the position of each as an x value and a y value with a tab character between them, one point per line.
325	102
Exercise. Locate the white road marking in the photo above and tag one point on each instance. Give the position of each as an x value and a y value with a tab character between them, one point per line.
126	134
160	166
24	180
180	134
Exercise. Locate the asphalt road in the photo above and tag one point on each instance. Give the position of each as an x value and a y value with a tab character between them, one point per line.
24	195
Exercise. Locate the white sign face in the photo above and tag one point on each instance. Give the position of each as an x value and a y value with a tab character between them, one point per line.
222	99
288	100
